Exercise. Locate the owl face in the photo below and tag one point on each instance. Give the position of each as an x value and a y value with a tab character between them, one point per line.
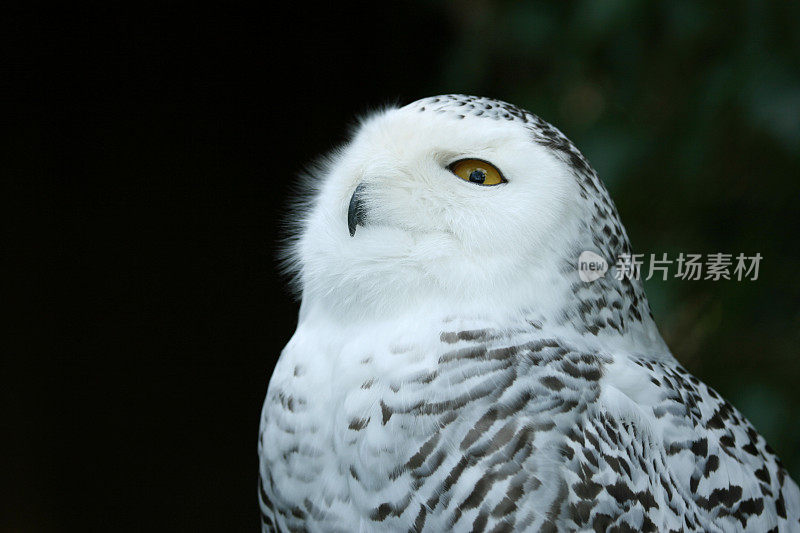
422	204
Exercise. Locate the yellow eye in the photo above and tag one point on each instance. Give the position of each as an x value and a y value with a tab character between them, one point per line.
477	171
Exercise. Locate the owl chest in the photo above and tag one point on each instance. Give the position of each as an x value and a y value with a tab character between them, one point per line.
338	436
364	430
389	434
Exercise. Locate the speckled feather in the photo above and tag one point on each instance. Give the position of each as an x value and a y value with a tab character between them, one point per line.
542	420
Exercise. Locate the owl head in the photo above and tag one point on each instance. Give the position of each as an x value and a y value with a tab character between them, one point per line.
461	204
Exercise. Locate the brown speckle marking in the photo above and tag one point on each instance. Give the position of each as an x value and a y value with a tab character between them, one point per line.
357	424
386	412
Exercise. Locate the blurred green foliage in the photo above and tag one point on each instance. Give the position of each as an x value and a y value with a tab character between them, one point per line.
690	112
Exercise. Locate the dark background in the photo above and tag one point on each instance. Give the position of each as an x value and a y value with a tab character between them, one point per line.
151	153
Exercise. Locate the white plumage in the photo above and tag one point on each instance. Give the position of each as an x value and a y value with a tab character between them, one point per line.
450	370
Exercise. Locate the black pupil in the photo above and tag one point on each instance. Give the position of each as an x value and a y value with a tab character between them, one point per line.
477	176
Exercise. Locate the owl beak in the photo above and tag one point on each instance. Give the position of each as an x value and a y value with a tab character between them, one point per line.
356	212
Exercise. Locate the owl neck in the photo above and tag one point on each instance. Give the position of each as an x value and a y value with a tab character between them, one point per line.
549	296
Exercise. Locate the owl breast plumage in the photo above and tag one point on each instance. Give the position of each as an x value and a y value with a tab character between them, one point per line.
451	371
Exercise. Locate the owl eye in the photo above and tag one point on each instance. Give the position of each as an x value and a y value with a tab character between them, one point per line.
477	171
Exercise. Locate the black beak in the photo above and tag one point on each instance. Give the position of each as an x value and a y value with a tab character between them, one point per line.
356	213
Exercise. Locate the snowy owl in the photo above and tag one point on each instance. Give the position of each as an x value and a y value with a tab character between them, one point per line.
451	371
